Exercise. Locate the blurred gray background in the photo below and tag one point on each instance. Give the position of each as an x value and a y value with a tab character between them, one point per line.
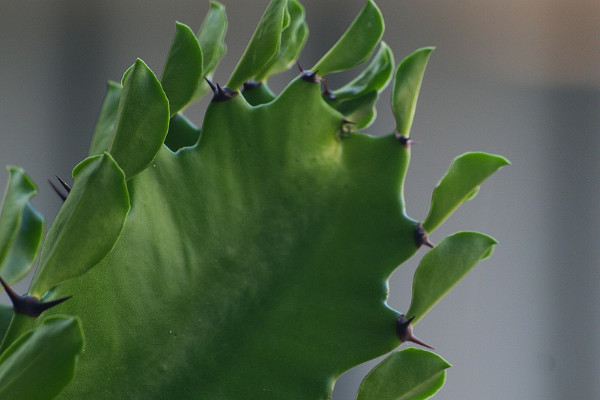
516	78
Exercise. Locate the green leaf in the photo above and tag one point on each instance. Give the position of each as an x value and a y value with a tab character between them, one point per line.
444	266
142	120
21	227
182	133
87	226
410	374
407	83
460	184
375	77
210	36
263	46
292	41
106	120
257	93
357	43
40	363
6	313
268	227
360	110
183	69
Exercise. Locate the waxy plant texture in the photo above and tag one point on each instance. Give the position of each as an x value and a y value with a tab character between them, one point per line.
247	258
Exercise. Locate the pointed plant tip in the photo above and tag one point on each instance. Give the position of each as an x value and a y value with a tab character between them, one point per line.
29	305
405	141
307	75
421	237
64	184
220	93
404	330
326	92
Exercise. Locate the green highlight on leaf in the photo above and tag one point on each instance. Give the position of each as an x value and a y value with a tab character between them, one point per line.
375	77
183	69
263	46
41	362
293	37
407	83
360	110
142	120
210	37
460	184
211	34
357	99
106	120
444	266
87	226
21	227
410	374
356	44
182	133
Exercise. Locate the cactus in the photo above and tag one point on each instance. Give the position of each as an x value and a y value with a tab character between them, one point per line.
247	258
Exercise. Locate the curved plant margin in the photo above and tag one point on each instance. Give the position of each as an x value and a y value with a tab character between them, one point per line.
249	258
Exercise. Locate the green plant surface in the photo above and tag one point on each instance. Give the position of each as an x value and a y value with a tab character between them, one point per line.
293	37
247	259
460	184
21	227
373	78
92	217
106	120
182	133
248	263
444	266
410	374
6	313
264	44
357	43
182	72
407	83
40	362
210	37
142	120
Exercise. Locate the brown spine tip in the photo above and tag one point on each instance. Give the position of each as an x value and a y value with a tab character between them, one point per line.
404	330
406	142
326	92
29	305
421	237
220	93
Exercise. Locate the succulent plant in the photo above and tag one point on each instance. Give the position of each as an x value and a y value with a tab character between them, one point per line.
244	259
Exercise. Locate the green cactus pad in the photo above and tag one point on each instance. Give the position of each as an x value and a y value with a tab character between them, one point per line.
247	259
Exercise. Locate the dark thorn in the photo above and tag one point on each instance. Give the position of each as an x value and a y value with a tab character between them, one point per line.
421	237
64	184
212	85
404	329
347	121
326	92
248	85
221	93
406	142
58	192
308	76
28	305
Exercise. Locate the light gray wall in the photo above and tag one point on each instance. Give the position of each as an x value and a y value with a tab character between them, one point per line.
517	78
